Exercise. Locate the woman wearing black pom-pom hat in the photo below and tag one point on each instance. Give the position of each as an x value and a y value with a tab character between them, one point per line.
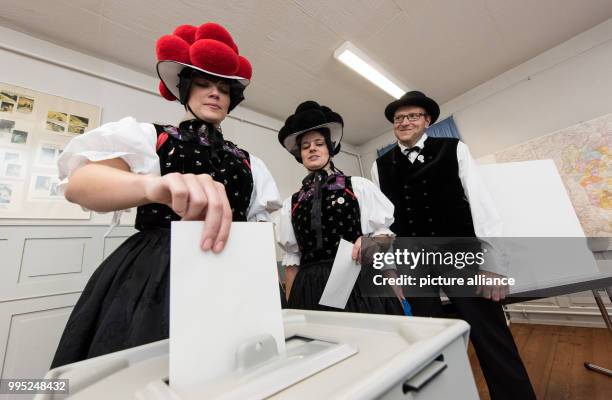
328	207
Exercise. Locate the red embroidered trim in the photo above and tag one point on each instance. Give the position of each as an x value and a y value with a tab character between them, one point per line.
247	163
347	190
294	208
161	139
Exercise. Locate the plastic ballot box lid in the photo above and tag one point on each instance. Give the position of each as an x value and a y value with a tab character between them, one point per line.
328	355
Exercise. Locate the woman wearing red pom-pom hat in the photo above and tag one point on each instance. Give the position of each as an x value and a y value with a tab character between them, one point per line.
170	173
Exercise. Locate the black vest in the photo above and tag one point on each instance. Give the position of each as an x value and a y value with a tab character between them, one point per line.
428	196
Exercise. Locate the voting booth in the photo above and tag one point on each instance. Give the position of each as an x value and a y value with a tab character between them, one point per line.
328	355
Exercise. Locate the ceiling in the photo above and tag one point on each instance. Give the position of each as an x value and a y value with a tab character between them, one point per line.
442	47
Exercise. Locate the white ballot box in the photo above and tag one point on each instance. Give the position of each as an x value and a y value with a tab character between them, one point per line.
329	355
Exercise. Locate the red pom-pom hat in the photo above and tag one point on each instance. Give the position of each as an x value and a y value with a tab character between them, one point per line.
208	48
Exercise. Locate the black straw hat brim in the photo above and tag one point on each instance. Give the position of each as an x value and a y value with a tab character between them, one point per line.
335	135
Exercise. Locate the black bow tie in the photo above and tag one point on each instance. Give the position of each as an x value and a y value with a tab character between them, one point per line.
411	149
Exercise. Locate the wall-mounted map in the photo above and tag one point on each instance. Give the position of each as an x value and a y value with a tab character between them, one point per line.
583	156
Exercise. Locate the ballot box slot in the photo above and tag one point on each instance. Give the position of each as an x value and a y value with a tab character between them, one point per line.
296	341
426	375
299	339
261	371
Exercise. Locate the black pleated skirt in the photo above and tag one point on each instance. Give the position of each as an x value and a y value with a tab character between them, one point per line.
308	287
126	302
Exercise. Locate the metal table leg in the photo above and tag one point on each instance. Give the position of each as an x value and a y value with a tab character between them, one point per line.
608	322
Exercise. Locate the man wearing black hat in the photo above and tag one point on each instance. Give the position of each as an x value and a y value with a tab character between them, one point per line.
436	191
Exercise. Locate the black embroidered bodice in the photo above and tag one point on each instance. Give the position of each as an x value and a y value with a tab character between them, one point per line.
339	216
199	151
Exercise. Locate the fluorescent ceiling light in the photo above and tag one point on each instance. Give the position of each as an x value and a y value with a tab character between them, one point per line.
355	59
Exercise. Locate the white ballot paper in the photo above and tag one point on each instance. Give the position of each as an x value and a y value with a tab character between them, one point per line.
219	301
342	277
533	202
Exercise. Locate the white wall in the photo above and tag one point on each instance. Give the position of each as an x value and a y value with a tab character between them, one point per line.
563	86
46	67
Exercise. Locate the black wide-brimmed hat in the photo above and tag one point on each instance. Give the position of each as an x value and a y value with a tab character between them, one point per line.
414	98
311	116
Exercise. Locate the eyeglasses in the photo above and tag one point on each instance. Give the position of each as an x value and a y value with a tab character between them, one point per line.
398	119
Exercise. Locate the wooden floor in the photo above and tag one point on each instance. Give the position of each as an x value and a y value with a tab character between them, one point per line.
554	358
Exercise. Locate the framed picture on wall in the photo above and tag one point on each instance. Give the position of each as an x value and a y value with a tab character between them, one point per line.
34	129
